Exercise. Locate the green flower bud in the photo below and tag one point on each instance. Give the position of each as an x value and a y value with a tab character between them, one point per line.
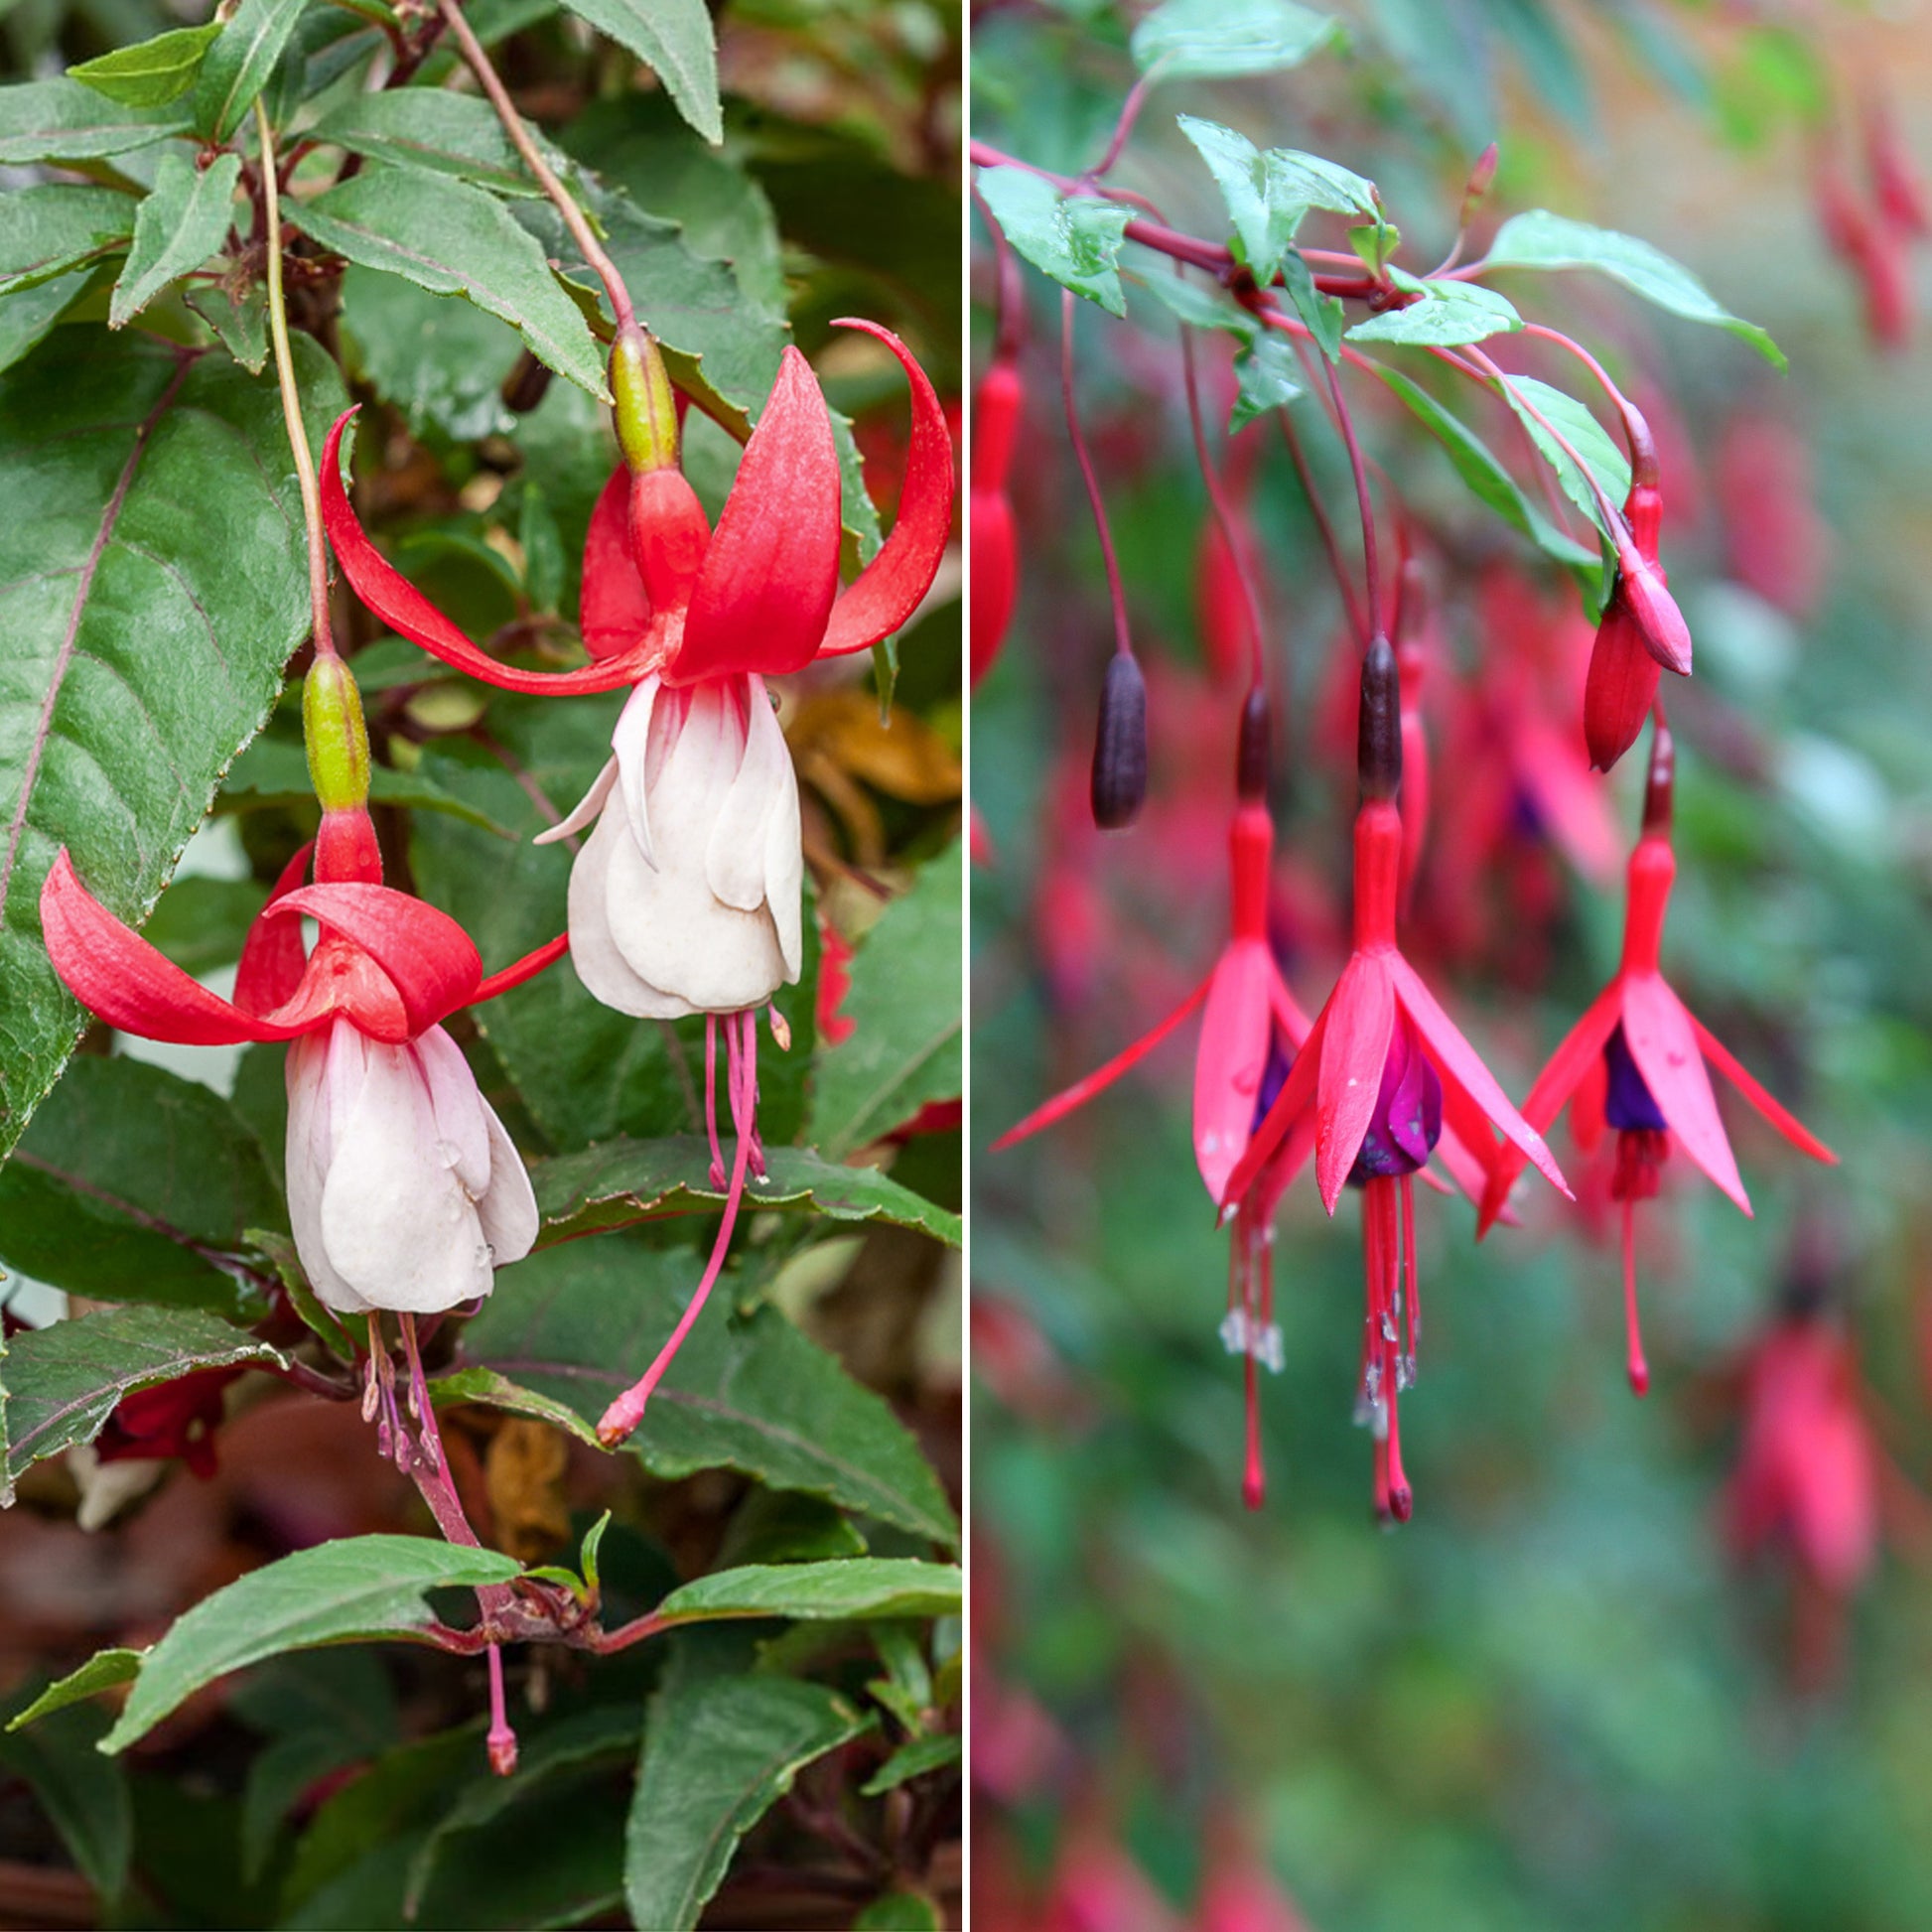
646	409
338	739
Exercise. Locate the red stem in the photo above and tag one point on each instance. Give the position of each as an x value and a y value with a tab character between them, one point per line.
1217	501
1123	642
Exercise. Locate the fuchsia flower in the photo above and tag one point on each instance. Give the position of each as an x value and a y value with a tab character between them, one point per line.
1642	632
404	1190
1379	1074
1643	1053
1251	1031
686	897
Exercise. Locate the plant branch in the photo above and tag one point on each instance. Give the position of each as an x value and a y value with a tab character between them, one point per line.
561	198
278	328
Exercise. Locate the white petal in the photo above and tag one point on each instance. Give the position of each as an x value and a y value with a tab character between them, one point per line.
462	1139
784	874
676	937
735	858
631	744
311	1148
585	808
398	1226
604	971
508	1212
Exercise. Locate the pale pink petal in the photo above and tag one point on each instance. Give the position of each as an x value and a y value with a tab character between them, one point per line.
631	743
735	859
462	1139
507	1211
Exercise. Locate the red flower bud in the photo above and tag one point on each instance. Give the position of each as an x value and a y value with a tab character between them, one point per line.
995	544
1621	686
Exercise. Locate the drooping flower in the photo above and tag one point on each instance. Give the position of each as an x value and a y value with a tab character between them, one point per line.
1251	1031
1642	631
686	897
1381	1077
405	1192
1806	1485
990	523
1636	1060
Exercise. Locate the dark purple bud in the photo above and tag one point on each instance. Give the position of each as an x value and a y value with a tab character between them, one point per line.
526	386
1250	753
1120	747
1630	1106
1378	754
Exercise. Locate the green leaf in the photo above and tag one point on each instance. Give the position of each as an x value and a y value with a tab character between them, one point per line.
240	323
152	586
1264	223
182	221
1479	467
1583	432
719	1752
780	1526
85	1798
1073	239
616	1183
1210	38
1200	307
28	315
495	1391
1449	313
586	1739
441	363
238	66
454	239
152	72
60	120
64	1381
275	771
105	1670
675	40
856	1586
46	230
900	1911
913	1760
904	1006
320	1714
355	1588
581	1323
134	1185
1266	377
1540	239
1322	313
459	135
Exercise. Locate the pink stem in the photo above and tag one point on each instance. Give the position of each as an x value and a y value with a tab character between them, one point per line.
624	1414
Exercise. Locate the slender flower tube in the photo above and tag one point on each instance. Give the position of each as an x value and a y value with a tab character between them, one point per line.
1380	1073
686	897
1251	1032
1643	1050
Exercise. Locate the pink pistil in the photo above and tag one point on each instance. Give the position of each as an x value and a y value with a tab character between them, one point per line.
711	1097
1633	1332
624	1414
420	1405
502	1741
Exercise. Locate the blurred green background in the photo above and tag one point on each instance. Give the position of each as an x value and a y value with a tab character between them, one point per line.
1555	1700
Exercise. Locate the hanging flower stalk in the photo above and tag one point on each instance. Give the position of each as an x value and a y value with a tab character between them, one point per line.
1381	1077
1635	1063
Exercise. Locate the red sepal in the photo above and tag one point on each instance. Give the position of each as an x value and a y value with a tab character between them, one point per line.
1793	1129
888	591
1081	1091
115	973
526	968
1664	1045
1355	1045
403	608
272	959
768	578
429	957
